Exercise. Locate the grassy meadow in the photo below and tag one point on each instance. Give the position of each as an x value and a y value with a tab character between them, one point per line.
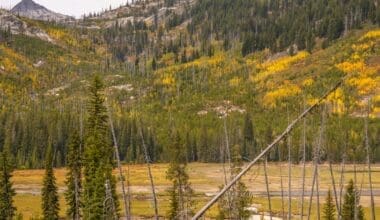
206	180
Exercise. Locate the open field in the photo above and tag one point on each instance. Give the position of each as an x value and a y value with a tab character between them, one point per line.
205	180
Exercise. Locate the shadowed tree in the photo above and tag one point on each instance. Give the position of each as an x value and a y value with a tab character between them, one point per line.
73	177
329	207
50	202
180	193
7	208
351	203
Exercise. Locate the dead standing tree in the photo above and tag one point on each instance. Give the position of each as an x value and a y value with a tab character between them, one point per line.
289	128
373	214
121	175
148	164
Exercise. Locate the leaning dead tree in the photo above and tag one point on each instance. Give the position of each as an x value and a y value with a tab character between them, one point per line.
267	186
148	162
290	127
373	214
303	164
121	176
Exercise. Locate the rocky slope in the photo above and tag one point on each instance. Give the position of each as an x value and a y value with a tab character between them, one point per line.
32	10
16	25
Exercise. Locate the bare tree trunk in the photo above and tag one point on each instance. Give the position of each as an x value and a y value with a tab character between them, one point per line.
121	175
129	194
317	189
281	185
288	143
341	183
223	161
355	195
334	187
320	143
227	144
148	161
289	179
288	129
373	214
312	191
267	187
228	154
316	165
303	165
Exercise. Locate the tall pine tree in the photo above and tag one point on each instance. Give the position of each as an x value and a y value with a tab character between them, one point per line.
249	139
50	202
73	177
98	202
329	207
7	208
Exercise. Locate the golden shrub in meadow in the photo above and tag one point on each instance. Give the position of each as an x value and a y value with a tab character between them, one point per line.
287	90
235	81
279	65
375	34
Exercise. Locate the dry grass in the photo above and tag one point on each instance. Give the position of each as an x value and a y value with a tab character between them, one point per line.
205	178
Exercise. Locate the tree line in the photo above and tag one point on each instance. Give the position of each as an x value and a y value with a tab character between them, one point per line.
91	192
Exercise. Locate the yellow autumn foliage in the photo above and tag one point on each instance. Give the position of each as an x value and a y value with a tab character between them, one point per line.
279	65
362	47
375	34
68	39
307	82
168	80
363	78
311	101
287	90
8	65
350	67
364	85
336	100
235	81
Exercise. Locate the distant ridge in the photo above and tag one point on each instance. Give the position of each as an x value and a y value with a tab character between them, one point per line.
32	10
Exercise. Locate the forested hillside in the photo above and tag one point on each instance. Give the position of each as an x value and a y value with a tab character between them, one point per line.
208	69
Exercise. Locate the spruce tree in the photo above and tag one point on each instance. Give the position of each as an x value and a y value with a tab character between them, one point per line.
351	199
329	207
249	139
7	208
98	202
73	177
50	202
180	192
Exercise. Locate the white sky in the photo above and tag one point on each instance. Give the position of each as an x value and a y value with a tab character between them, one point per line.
70	7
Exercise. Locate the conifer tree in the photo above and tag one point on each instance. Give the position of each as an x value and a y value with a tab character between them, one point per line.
351	203
249	139
7	208
180	193
73	177
98	160
329	207
50	202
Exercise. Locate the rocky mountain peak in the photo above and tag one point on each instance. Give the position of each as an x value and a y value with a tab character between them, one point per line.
33	10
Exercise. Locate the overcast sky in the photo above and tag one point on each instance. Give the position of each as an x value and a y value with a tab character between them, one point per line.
70	7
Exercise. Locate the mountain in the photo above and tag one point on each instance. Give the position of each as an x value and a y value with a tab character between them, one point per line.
16	25
32	10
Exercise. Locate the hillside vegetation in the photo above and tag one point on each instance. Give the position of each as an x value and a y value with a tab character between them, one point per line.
190	75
